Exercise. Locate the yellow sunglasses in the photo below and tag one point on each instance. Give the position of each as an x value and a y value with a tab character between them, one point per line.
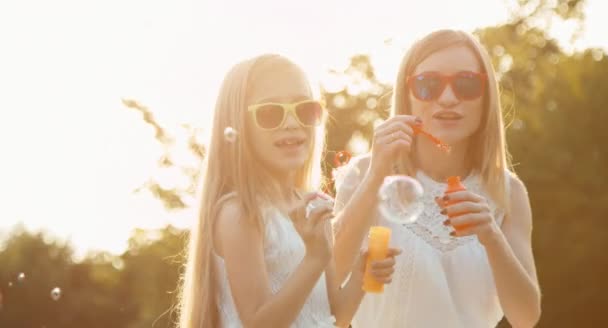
271	116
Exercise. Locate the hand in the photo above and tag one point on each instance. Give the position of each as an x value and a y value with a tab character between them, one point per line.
382	270
470	216
315	228
391	139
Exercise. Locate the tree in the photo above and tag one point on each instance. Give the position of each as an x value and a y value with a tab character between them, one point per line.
151	270
89	290
136	289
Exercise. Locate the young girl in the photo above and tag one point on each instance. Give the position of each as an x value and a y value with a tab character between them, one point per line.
256	257
447	86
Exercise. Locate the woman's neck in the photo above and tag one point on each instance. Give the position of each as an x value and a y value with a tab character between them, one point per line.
437	164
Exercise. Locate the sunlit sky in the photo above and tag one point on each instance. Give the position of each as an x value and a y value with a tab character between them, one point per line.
72	154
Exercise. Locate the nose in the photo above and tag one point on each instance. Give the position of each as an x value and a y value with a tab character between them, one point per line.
447	98
291	122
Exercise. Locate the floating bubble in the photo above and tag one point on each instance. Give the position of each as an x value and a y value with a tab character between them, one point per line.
401	199
56	294
341	158
230	134
10	284
21	277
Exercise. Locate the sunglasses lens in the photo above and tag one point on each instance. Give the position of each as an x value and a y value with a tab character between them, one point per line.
468	86
427	87
309	113
269	116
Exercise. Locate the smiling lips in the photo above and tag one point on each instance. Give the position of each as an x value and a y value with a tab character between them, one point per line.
289	143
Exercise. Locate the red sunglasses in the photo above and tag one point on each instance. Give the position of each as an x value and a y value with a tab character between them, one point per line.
428	86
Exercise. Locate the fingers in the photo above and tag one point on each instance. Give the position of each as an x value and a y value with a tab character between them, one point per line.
309	196
392	252
469	220
470	230
318	202
464	207
391	128
394	142
384	264
299	211
320	213
391	137
383	270
463	195
440	202
384	276
324	196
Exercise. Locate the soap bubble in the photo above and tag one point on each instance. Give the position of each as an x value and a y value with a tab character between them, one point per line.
230	134
401	199
56	294
342	158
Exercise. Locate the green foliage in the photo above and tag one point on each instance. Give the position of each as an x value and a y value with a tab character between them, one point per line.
355	102
136	289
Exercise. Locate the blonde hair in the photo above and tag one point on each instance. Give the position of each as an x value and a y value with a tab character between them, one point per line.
230	168
487	152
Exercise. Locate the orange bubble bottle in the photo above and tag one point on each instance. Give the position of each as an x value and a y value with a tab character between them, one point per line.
379	238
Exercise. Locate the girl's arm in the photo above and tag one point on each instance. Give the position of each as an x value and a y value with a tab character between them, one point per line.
240	244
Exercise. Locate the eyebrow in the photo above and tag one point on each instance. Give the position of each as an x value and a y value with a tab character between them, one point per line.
276	99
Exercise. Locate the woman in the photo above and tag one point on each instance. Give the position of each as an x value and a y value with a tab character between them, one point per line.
485	269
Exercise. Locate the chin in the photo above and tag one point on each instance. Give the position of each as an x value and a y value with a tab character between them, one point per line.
293	165
454	137
287	165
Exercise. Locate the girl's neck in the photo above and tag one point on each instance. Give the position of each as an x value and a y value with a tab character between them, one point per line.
437	164
287	190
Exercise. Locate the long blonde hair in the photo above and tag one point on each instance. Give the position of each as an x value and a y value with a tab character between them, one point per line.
230	168
487	152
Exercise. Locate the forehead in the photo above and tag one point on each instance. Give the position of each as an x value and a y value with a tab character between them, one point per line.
279	84
450	60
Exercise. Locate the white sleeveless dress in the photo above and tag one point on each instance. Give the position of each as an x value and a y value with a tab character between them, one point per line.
439	281
283	252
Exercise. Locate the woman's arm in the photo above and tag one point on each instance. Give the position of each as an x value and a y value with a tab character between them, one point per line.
509	249
355	206
512	262
345	301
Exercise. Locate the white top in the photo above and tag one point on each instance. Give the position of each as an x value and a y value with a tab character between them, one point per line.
283	252
439	281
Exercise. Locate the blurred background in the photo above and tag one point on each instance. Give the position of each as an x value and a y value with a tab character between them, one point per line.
105	110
